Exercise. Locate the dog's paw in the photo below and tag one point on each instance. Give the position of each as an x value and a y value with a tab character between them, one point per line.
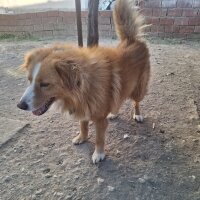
79	139
111	116
138	118
97	157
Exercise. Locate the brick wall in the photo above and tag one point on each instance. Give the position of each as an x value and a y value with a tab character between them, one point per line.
169	18
172	18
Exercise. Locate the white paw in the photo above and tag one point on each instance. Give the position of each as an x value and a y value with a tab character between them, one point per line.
138	118
78	140
97	157
111	116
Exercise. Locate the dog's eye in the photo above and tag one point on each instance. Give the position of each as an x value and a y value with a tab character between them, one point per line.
44	84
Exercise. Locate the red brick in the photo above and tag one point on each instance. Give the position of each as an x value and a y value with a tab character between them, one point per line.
169	29
54	13
194	21
157	12
184	3
84	13
157	28
152	20
104	20
69	20
186	29
105	13
181	21
38	27
42	14
190	12
49	20
104	27
166	21
153	3
197	29
174	12
147	11
169	3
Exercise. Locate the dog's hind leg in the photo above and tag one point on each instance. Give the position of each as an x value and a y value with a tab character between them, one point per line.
83	135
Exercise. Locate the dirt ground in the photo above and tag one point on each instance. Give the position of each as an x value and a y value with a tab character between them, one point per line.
159	160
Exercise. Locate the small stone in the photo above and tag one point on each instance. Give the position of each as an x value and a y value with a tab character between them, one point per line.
22	169
141	180
100	180
76	177
171	73
39	192
153	125
192	177
162	131
118	152
126	136
48	176
58	194
68	197
195	140
47	170
7	179
110	188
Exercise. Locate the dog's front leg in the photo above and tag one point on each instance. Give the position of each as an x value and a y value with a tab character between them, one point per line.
100	126
83	135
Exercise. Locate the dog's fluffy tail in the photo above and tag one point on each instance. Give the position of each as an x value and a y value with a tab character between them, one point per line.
128	22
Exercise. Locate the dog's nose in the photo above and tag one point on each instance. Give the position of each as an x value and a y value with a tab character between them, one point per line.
22	105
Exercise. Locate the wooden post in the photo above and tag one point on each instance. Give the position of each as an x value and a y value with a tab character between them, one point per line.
79	23
93	33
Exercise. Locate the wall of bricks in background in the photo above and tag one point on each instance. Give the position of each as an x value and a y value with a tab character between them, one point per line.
168	18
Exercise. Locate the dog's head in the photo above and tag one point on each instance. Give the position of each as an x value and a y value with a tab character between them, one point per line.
52	76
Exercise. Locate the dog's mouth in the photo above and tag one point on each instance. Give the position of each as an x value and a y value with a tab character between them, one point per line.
42	109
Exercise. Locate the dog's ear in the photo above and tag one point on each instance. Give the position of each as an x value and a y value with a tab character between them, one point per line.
27	60
69	72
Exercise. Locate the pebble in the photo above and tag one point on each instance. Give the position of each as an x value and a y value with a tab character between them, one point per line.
100	180
7	179
110	188
47	170
76	177
48	175
162	131
126	136
141	180
39	192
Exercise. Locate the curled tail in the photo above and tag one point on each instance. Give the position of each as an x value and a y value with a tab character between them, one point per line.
128	22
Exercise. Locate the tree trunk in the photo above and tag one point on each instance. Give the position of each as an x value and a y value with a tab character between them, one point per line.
79	23
93	33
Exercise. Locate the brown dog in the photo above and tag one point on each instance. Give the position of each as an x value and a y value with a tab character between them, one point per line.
90	83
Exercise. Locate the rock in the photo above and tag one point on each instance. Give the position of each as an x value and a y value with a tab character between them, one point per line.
153	125
76	177
110	188
126	136
100	180
7	179
141	180
39	192
48	176
162	131
47	170
59	194
171	73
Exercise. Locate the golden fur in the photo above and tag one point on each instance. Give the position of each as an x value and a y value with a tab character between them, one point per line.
93	82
